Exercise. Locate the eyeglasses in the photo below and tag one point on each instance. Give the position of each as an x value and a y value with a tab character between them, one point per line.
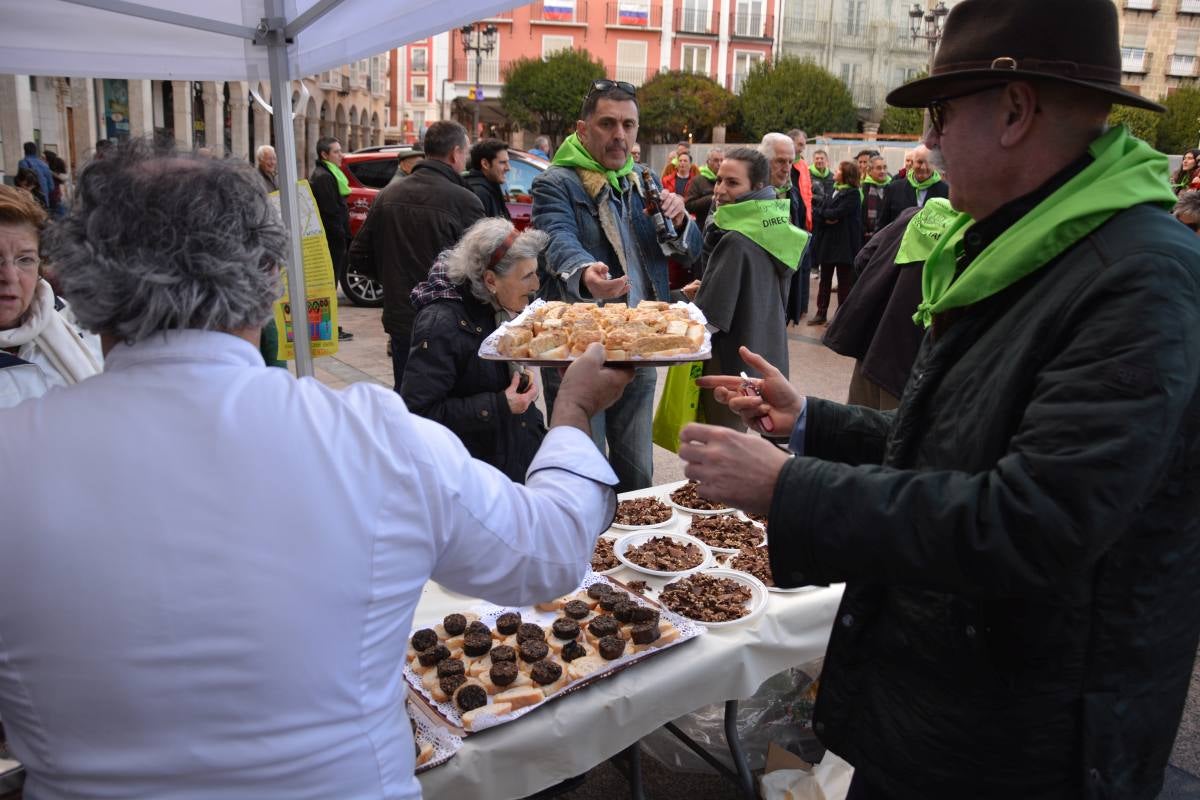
604	84
23	263
937	108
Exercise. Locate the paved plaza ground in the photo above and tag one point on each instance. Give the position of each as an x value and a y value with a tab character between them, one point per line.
818	372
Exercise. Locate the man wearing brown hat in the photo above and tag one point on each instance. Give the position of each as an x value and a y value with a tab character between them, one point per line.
1020	540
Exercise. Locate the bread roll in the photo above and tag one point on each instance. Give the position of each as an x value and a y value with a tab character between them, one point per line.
656	344
521	696
425	754
546	341
494	710
560	353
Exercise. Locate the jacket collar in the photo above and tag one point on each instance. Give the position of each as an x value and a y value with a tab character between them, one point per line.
441	168
184	347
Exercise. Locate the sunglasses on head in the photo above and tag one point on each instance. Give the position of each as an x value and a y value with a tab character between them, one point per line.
604	84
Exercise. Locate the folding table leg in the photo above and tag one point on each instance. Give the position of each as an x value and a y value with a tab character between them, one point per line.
632	769
745	777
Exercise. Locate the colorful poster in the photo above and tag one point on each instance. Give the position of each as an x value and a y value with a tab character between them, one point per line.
116	109
320	287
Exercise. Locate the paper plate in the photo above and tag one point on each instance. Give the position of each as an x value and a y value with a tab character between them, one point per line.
732	550
633	540
758	595
674	515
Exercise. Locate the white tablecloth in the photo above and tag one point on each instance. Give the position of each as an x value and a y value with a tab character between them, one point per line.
570	735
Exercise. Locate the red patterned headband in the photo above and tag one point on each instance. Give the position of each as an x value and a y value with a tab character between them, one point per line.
500	252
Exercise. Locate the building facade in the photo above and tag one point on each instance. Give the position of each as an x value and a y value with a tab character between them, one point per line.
634	39
69	115
867	43
1159	43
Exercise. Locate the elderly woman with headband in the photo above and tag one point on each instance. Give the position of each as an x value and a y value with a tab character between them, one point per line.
487	278
40	345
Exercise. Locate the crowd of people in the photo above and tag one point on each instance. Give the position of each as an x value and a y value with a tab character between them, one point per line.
227	560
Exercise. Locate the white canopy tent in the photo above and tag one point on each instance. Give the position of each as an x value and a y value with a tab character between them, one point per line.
251	40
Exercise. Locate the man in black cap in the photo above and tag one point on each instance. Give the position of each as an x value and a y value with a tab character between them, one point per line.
1020	539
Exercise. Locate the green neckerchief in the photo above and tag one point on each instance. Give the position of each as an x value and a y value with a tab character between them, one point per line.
819	173
572	153
837	186
862	191
1125	172
339	176
925	184
708	173
925	230
783	192
767	223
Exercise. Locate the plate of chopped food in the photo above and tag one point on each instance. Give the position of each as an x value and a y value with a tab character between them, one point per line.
642	513
663	555
604	560
718	597
687	498
726	533
756	561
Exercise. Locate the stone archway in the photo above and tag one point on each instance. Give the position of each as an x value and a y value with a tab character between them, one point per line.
364	130
314	126
352	142
326	119
376	130
341	129
240	120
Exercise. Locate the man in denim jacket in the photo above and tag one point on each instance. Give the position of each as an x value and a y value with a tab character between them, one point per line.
603	246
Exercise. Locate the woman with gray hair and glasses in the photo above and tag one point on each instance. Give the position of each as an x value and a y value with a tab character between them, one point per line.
487	278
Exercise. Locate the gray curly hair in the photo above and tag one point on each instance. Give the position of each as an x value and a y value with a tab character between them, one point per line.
468	260
163	240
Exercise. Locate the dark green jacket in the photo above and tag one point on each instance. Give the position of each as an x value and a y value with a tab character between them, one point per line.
1021	538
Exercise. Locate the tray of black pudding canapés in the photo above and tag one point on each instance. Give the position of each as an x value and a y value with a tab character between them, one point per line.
489	665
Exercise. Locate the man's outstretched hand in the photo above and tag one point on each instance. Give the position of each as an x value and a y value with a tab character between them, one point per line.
736	469
778	399
588	387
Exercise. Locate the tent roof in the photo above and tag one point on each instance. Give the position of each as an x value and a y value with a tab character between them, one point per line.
59	37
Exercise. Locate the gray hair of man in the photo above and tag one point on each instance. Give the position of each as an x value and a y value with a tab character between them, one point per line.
262	150
162	240
468	260
767	145
1188	204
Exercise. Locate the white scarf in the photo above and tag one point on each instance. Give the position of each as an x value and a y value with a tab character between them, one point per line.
63	347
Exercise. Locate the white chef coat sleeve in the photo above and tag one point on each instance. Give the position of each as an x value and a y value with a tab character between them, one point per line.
513	544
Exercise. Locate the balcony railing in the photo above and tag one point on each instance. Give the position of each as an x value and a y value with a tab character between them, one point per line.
631	15
1189	6
635	74
1182	67
569	13
1141	5
696	19
801	29
1136	62
753	26
491	72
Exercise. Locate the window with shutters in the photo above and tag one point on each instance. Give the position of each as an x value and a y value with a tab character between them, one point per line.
748	19
631	62
1183	57
556	44
1134	58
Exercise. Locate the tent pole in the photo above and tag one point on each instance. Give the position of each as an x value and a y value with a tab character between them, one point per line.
285	142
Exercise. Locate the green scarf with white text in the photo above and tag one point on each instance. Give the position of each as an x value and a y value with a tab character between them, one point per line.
572	153
768	224
1125	172
339	176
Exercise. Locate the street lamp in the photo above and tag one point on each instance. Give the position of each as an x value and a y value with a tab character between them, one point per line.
931	31
479	39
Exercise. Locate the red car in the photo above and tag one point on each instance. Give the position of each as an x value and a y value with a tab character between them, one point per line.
369	170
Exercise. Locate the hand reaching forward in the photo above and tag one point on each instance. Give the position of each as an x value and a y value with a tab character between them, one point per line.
778	400
602	287
588	387
734	469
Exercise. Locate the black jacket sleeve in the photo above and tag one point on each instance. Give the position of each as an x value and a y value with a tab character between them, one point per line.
439	355
841	207
329	203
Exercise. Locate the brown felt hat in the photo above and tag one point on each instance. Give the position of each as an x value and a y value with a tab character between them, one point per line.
993	41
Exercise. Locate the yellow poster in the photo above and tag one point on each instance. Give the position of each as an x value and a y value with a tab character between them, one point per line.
320	288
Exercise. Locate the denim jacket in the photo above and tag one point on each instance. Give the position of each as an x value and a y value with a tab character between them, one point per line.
564	208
